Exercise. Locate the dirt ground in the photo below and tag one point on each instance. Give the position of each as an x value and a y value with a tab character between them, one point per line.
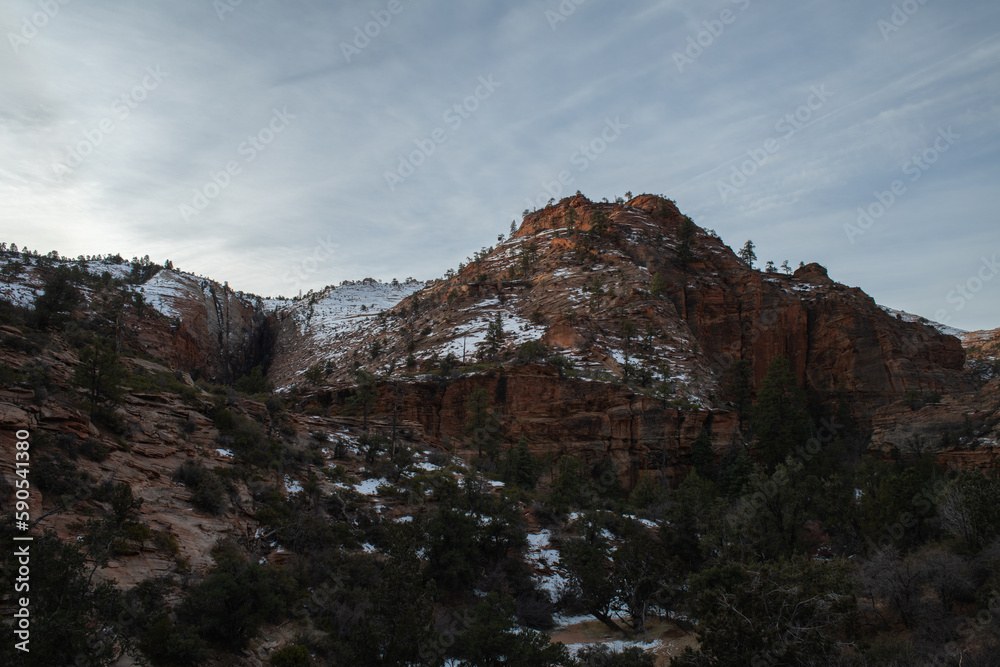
673	640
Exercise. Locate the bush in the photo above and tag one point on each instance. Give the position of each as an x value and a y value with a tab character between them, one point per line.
170	645
531	351
254	382
208	491
54	306
602	656
292	656
234	600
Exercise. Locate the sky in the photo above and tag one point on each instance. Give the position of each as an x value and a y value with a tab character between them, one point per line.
285	146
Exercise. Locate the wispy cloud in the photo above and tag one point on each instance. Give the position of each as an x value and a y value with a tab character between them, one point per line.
355	117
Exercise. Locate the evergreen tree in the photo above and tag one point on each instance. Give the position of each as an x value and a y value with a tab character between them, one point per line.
737	387
598	223
781	423
100	374
481	425
747	253
702	455
365	395
58	299
628	334
685	238
657	286
494	337
521	467
735	474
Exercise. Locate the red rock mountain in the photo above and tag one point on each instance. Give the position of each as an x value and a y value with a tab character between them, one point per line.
627	289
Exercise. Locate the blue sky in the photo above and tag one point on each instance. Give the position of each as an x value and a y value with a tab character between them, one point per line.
274	144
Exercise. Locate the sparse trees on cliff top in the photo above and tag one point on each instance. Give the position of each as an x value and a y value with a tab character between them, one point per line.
747	253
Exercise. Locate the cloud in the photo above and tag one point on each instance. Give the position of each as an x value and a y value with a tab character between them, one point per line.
324	175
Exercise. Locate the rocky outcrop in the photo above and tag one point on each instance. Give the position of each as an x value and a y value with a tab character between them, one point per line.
557	416
584	277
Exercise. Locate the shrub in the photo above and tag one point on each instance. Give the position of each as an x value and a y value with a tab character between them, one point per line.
292	656
234	600
208	491
254	382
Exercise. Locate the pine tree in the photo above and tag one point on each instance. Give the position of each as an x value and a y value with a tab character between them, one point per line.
702	455
657	286
365	395
598	223
747	253
628	334
100	374
780	421
685	237
481	425
494	337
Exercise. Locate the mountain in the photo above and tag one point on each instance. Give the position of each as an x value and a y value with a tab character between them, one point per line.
527	404
616	333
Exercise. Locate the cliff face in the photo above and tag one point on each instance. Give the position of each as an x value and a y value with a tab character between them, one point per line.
206	326
592	421
605	286
648	309
579	276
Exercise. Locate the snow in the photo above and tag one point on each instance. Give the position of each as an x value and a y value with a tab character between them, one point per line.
166	288
910	317
292	486
369	487
19	294
224	452
617	645
545	559
338	314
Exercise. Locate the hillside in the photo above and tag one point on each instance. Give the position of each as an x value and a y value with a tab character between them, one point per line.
395	472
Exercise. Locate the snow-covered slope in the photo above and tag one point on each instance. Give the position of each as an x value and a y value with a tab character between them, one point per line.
910	317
